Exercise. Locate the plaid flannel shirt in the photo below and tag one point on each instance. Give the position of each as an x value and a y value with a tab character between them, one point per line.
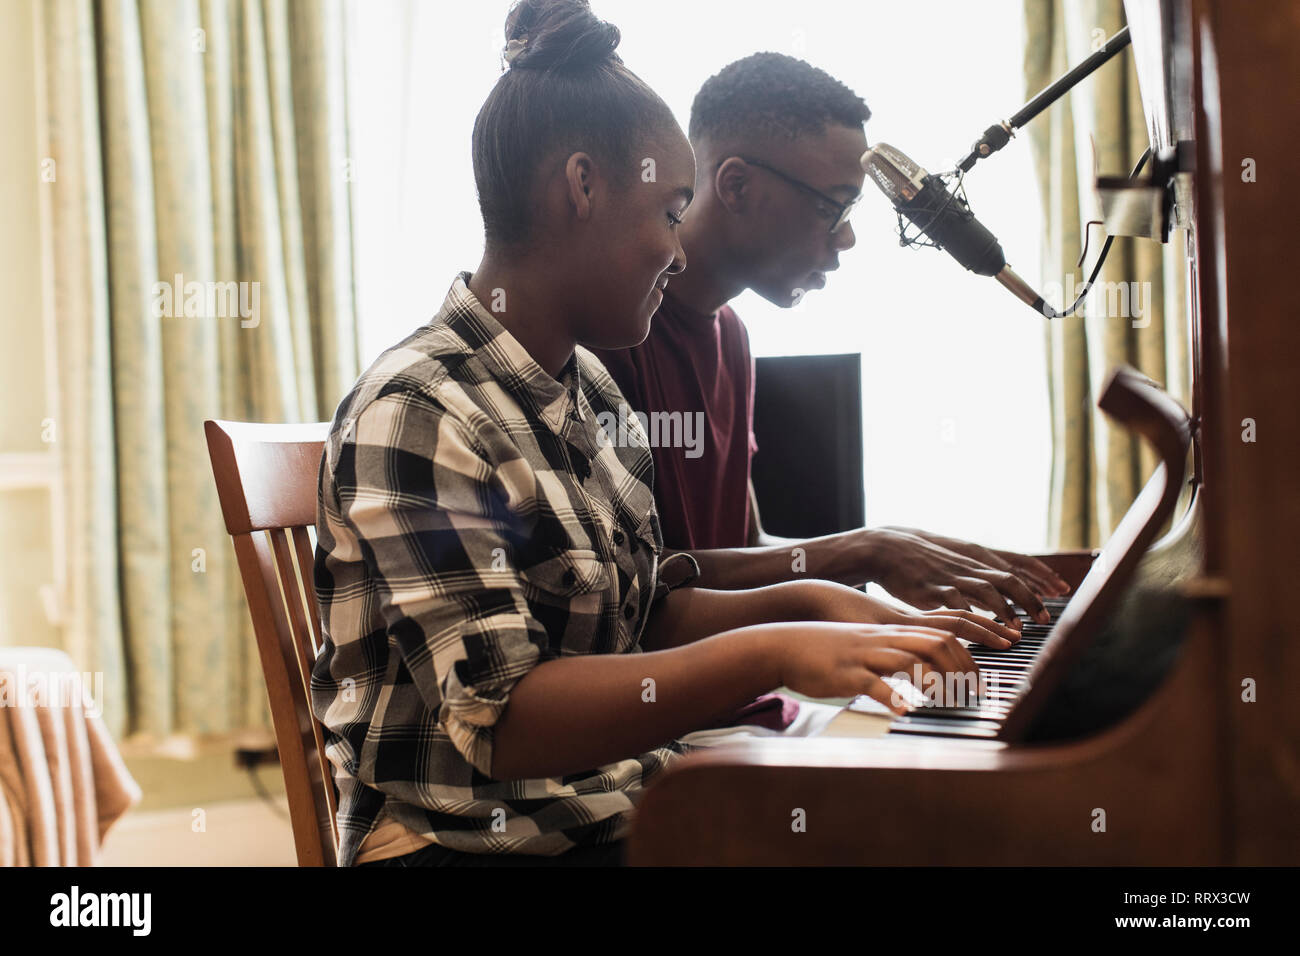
473	521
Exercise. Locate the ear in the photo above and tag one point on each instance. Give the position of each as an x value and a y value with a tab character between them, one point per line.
579	176
733	184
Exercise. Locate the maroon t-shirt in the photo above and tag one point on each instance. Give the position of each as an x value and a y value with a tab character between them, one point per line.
700	366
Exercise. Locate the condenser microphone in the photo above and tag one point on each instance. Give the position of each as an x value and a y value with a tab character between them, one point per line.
945	218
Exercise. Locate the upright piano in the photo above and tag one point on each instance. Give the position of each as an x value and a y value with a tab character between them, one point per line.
1156	720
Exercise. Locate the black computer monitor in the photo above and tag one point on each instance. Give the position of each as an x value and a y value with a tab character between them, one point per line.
808	422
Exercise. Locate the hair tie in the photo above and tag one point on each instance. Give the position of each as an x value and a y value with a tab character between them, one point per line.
514	48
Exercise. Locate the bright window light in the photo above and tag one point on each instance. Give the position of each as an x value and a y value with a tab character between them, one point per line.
954	390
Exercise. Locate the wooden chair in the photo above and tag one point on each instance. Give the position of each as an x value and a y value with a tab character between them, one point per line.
266	479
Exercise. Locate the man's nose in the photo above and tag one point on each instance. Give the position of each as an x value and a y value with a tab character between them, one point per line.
843	238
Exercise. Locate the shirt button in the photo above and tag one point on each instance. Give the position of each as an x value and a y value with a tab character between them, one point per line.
569	578
629	612
618	538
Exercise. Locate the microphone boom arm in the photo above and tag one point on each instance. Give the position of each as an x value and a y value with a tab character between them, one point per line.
999	134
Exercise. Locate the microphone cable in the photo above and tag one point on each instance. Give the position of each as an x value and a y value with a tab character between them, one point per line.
1101	258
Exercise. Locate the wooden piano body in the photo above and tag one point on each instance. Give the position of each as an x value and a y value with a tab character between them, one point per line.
1203	771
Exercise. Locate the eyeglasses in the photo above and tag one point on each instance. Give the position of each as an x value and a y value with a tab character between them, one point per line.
842	209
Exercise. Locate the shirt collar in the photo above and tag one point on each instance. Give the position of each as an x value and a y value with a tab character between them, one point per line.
510	363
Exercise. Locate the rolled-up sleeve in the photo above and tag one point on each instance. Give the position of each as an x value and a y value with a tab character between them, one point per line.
436	534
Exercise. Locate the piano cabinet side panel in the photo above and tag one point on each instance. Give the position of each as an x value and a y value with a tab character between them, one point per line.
1251	52
1156	778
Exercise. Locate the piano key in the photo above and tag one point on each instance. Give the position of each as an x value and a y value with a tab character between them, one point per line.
1003	679
921	715
986	712
942	729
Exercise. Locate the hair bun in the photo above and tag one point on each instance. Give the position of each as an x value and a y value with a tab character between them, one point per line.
559	36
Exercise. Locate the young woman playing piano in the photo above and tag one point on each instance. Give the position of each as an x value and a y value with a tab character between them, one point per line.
503	671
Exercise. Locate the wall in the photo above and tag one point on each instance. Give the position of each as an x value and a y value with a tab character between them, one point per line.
26	558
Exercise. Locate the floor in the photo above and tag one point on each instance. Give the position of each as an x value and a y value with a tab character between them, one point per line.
246	832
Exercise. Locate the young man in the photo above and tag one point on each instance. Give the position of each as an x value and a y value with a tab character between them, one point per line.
777	144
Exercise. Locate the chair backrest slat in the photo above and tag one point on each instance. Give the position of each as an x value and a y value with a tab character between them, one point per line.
266	479
295	603
295	564
306	551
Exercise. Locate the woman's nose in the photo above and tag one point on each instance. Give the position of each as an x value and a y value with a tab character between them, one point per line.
679	260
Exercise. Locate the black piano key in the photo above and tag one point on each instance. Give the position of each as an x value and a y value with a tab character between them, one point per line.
941	729
988	711
941	724
921	715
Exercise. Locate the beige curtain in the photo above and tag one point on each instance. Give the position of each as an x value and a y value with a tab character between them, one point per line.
205	141
1097	470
